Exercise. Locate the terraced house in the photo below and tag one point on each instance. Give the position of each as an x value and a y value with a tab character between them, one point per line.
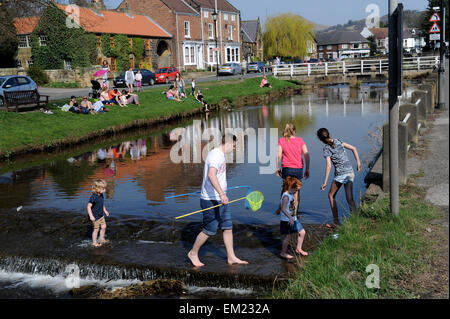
194	29
67	37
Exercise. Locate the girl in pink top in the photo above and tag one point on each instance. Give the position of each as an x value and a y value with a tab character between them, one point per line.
291	150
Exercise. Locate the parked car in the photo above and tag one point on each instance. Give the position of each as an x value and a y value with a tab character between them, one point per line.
165	75
313	62
331	60
298	61
256	67
15	83
148	77
230	68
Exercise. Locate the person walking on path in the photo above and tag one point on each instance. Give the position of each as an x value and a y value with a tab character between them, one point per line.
106	68
291	150
334	152
129	79
213	193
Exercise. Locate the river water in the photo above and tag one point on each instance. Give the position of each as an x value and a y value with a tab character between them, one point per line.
45	196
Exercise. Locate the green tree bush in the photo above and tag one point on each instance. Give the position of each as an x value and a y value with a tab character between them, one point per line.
38	75
8	39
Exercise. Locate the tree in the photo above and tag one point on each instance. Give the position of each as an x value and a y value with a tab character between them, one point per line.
372	45
426	25
8	39
287	35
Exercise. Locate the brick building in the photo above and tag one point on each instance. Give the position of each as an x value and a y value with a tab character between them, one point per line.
252	40
341	45
24	29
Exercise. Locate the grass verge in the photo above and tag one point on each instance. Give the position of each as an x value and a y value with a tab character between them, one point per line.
23	130
397	245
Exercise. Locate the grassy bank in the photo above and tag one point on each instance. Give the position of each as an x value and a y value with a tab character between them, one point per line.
400	247
36	129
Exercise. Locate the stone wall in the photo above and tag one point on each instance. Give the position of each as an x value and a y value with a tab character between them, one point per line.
81	76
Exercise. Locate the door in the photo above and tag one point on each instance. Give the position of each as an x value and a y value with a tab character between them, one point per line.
10	84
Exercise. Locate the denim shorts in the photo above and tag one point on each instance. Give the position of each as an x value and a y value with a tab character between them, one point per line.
345	178
294	172
285	229
216	217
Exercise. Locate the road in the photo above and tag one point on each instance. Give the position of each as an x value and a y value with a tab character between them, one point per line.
57	94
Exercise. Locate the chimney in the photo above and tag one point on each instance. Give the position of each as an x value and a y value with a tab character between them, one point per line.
97	5
126	8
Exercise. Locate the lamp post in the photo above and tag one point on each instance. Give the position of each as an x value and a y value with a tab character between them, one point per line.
214	15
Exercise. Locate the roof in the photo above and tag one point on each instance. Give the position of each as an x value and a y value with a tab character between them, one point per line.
179	6
338	37
26	25
380	33
222	5
250	29
114	22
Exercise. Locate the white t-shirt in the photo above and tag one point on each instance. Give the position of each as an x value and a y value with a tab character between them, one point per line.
290	207
138	77
215	158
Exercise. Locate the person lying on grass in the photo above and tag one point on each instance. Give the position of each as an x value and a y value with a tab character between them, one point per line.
129	98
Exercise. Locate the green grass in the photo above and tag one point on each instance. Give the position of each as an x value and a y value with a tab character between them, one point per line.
337	269
62	85
36	128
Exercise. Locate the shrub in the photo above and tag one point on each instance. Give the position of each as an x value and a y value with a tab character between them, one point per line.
38	75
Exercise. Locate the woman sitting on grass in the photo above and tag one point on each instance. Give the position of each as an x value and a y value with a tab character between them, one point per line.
129	98
114	97
172	94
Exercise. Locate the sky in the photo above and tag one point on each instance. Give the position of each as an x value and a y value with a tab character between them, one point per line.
327	12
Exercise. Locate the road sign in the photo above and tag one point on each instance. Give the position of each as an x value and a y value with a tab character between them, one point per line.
435	37
435	17
435	28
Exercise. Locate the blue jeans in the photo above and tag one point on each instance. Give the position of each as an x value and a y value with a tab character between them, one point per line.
285	229
216	217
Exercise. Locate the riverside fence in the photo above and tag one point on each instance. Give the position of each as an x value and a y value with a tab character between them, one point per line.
353	67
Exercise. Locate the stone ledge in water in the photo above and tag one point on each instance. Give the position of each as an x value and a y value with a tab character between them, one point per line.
145	289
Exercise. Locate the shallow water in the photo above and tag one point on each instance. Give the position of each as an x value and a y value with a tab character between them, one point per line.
53	189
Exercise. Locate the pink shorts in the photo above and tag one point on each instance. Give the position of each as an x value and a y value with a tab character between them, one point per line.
138	83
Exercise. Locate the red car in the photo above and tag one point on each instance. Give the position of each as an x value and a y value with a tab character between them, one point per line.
165	75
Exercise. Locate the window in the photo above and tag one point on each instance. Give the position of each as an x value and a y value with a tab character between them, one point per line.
99	42
24	41
67	65
19	63
130	41
236	55
42	40
320	55
355	46
111	42
345	46
189	54
99	60
212	55
147	44
233	17
320	47
230	32
12	82
210	31
232	54
22	81
113	65
205	14
329	47
187	29
225	16
29	63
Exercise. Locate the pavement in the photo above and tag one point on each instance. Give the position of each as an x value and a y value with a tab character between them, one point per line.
57	94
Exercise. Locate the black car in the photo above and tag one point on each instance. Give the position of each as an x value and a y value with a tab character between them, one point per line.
148	78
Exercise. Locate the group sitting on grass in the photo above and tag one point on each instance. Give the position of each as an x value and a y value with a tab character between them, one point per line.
119	98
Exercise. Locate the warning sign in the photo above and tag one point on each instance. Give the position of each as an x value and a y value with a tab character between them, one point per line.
435	18
434	28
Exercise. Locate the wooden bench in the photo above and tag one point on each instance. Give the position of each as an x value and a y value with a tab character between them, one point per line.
16	98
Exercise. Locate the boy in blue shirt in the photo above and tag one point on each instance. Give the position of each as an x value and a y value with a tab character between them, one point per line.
97	211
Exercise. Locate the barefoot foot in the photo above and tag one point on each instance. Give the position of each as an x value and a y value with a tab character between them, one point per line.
236	261
96	245
301	252
195	260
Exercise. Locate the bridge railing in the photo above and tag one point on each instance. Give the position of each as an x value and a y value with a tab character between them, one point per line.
353	67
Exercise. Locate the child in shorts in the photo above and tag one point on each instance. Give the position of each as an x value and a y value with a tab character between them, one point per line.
97	211
139	81
289	224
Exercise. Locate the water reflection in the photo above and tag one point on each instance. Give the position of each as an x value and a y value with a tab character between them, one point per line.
140	172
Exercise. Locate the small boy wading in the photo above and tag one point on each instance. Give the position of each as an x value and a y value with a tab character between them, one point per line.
213	193
97	211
